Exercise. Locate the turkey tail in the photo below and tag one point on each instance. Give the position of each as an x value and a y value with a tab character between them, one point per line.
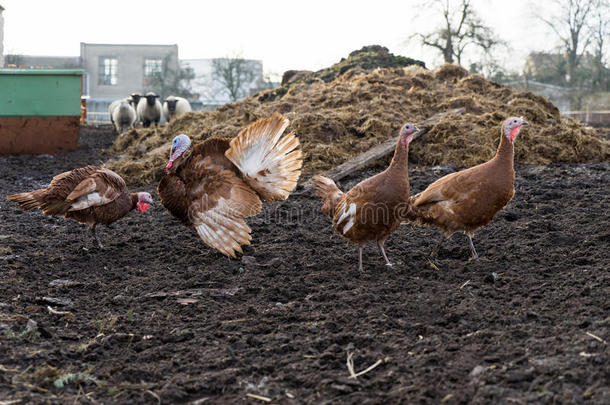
39	199
425	215
330	193
28	201
269	162
413	214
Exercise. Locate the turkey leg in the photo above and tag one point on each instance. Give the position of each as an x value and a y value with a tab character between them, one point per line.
382	250
472	249
99	244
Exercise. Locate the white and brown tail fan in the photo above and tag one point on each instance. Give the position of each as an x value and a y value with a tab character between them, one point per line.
271	163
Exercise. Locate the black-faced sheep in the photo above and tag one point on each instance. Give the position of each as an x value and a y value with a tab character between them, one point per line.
123	116
149	109
174	106
135	99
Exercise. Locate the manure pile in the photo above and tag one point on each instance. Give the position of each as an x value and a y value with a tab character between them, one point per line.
344	110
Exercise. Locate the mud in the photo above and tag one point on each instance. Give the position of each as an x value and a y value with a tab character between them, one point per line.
160	318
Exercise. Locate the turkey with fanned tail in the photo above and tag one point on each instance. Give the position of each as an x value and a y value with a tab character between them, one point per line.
219	182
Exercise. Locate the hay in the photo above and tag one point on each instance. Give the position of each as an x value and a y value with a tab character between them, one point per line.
350	107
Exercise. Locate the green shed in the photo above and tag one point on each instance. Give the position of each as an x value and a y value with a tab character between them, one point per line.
39	110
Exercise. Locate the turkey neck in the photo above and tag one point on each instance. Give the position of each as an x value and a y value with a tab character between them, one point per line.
134	200
181	159
399	166
505	153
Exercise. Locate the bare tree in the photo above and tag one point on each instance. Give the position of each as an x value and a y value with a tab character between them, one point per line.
461	27
170	81
572	26
233	74
601	32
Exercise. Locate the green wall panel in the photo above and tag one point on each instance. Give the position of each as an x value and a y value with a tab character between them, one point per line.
40	92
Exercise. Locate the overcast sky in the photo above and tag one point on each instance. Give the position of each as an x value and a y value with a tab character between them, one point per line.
284	34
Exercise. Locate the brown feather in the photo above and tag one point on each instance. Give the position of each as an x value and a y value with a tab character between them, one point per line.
329	192
269	162
205	191
111	201
373	209
221	181
467	200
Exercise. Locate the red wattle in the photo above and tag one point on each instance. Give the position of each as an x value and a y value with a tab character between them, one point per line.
141	206
513	134
405	140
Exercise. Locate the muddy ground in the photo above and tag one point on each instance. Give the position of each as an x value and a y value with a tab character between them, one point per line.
160	318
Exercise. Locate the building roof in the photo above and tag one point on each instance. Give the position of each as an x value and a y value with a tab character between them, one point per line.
156	45
48	72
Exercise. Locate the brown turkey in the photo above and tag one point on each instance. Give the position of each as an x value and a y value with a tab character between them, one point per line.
213	186
373	209
467	200
90	195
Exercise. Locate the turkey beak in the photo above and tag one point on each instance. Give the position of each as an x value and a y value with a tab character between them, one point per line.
524	122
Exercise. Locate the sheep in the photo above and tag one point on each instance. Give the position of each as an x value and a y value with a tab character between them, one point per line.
149	109
132	100
123	116
174	106
112	106
135	99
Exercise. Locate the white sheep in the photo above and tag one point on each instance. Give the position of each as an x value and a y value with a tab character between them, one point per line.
149	109
132	100
112	106
123	116
174	106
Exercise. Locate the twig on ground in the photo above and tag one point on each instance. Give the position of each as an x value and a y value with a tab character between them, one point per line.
10	402
259	397
67	314
154	395
596	337
80	391
350	366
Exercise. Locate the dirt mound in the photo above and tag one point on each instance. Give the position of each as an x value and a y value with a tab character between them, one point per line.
346	109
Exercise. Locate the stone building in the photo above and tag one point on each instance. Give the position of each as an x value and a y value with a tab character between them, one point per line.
115	71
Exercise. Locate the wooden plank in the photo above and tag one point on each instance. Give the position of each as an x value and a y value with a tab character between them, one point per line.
38	135
383	149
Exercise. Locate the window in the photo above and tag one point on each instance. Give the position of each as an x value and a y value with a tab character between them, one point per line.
108	71
153	67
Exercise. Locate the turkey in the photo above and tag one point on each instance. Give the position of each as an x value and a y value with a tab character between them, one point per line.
467	200
90	195
373	209
217	183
